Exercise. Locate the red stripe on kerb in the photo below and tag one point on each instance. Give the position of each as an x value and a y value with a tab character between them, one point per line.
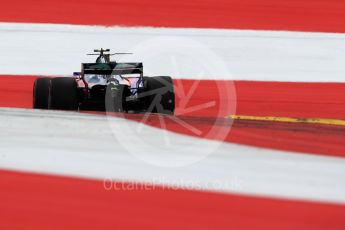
38	202
310	100
294	15
282	99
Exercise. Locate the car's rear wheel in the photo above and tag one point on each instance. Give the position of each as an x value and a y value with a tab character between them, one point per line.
63	94
41	93
161	97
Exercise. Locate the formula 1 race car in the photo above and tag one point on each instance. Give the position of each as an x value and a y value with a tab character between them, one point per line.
106	86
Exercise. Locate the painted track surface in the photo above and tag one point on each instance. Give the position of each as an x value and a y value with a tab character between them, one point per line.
49	196
84	204
268	99
183	53
83	145
316	15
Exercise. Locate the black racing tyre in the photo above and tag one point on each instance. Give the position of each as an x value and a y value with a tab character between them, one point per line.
115	98
40	97
63	94
161	95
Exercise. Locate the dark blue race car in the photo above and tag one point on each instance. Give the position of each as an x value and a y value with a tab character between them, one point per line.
106	86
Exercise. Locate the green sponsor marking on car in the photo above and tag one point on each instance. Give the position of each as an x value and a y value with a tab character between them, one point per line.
100	66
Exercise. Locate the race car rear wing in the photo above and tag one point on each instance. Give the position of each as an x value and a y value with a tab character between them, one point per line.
112	68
